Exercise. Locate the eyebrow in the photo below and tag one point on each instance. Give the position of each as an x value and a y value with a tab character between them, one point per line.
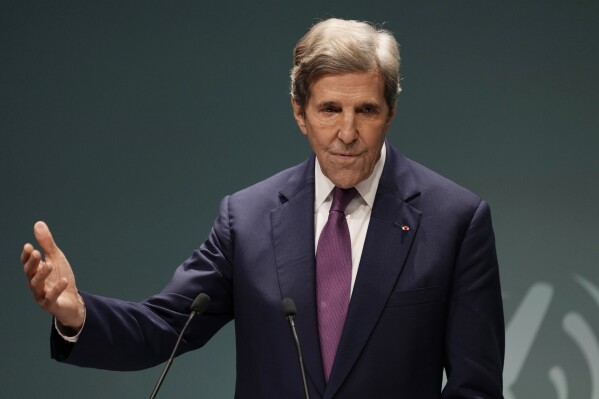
366	104
374	106
327	104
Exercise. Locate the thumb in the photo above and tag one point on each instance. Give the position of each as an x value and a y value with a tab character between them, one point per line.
44	238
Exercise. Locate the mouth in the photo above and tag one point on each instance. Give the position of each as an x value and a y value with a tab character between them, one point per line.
344	158
345	155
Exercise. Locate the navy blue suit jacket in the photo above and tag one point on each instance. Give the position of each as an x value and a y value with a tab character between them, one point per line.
426	297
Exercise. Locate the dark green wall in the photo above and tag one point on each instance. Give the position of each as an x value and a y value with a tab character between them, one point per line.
124	123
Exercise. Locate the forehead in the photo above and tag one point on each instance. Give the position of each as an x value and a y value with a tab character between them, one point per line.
357	86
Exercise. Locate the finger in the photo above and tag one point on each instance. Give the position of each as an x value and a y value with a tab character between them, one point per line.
44	237
38	282
27	249
53	294
32	264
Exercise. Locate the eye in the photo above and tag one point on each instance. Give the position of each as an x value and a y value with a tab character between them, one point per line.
368	109
330	109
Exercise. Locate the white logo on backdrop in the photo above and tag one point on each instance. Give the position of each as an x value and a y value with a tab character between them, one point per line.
524	327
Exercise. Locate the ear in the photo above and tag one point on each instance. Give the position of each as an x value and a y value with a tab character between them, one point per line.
390	117
299	117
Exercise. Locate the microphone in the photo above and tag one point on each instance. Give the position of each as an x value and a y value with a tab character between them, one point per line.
290	312
197	307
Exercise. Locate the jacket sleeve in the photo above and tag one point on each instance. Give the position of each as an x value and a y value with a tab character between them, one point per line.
475	324
122	335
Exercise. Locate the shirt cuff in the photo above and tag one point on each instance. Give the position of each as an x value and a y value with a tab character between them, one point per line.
67	333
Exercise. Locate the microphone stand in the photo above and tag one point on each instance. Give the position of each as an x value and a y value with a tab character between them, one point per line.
198	306
290	313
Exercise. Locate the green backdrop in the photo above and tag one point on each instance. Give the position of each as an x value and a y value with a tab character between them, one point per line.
123	124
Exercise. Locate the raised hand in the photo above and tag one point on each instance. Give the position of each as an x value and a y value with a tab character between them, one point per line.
51	279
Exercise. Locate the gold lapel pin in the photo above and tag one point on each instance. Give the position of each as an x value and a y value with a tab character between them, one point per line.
405	228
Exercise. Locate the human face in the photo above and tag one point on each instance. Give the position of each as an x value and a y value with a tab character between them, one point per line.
346	120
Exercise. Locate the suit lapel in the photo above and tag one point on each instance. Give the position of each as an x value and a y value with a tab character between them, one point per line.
385	250
293	240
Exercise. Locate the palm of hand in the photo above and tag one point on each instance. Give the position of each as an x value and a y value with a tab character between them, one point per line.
52	281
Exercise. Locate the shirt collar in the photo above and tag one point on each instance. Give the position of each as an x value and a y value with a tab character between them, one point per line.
366	188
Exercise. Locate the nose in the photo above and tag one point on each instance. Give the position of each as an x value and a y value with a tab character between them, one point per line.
348	131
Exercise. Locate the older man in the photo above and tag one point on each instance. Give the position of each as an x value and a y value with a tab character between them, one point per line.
392	267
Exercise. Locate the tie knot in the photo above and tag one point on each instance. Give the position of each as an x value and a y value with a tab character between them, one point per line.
342	197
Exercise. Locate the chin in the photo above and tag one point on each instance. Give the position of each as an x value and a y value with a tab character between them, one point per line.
346	181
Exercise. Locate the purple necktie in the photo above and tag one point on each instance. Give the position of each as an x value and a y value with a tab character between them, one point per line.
333	276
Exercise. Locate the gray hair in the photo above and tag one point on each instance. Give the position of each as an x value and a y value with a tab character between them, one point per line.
336	46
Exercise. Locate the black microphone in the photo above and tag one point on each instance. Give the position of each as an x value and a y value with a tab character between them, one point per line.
198	306
290	311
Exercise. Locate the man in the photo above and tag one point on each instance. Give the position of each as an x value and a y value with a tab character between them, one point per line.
392	267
